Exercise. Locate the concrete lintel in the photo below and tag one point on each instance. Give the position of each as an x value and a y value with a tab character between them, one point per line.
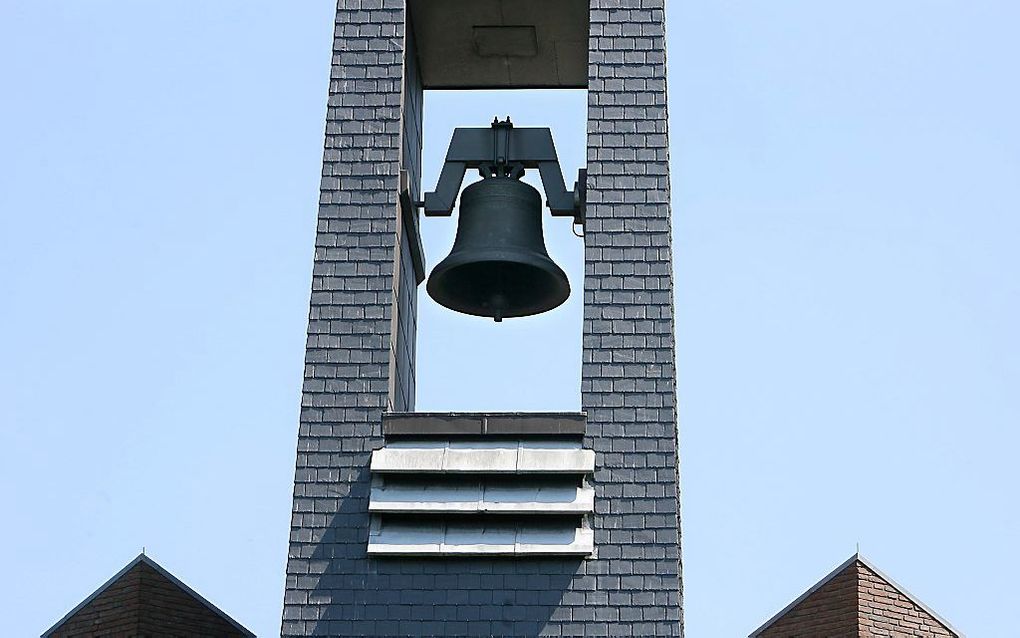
497	44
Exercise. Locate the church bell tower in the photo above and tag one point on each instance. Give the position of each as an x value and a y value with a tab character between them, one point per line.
502	523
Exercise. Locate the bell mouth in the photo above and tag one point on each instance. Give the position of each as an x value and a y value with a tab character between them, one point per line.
498	288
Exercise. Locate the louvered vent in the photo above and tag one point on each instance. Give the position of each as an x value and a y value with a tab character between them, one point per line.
510	484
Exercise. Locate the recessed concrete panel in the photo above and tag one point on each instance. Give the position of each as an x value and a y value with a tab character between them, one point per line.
473	44
512	42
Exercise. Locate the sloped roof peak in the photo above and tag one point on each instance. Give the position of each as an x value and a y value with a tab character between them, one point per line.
144	559
856	561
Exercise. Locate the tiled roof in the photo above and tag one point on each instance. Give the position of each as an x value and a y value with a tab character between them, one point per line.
854	560
139	588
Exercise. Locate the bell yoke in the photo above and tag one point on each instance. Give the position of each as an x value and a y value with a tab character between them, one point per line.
499	266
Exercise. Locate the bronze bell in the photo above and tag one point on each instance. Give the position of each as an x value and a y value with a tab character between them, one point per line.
499	266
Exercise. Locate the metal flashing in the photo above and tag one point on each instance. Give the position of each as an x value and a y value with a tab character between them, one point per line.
483	423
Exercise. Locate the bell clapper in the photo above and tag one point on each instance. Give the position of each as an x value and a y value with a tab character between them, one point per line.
499	303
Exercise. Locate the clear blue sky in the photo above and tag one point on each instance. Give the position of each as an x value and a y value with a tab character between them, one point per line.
846	184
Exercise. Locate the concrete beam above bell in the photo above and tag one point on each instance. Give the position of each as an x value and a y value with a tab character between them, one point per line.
501	44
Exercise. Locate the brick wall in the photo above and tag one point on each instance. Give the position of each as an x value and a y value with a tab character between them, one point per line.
884	611
855	600
829	611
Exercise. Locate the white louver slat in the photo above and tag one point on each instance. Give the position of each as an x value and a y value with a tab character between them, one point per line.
467	538
476	457
478	498
468	484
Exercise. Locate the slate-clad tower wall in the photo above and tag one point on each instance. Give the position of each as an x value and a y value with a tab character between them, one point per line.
360	358
628	379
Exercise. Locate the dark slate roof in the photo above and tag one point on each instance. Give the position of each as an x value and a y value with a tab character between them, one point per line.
143	559
857	557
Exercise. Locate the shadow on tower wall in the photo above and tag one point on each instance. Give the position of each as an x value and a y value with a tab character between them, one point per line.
390	596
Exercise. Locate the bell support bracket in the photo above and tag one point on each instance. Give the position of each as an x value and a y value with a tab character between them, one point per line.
503	149
409	219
